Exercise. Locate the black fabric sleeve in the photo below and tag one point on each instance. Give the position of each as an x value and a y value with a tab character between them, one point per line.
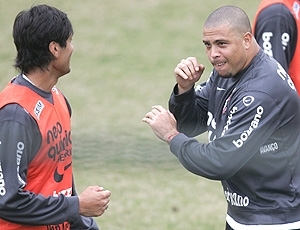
20	140
191	115
276	32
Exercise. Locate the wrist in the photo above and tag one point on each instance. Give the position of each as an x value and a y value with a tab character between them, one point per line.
172	136
181	90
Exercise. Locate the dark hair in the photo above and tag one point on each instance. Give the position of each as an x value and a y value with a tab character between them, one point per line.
34	30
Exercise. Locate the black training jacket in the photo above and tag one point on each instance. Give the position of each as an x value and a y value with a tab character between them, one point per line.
253	124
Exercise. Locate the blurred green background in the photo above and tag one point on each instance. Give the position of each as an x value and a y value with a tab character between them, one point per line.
125	54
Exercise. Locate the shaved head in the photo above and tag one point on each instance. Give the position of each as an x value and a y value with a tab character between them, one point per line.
233	16
230	45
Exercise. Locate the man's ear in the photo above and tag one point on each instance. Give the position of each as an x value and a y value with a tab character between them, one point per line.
247	39
54	48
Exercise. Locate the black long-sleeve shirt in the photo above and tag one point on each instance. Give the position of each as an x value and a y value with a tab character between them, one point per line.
276	32
21	206
253	122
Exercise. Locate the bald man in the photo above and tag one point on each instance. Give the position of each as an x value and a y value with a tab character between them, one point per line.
251	112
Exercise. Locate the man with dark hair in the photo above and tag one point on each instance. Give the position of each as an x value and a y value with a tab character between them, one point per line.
251	110
37	188
276	28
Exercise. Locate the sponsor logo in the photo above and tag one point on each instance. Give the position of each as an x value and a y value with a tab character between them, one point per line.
66	192
253	125
284	76
61	140
234	109
269	148
248	100
38	109
285	38
267	46
60	148
211	123
57	176
20	148
63	226
2	182
236	200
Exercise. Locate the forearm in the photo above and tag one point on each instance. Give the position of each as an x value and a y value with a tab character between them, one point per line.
191	119
39	210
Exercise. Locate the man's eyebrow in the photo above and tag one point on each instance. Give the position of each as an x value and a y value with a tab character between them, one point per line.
221	40
216	41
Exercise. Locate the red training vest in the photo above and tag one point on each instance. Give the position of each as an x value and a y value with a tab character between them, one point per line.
50	171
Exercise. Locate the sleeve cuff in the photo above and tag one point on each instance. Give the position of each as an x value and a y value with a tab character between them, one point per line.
177	142
73	208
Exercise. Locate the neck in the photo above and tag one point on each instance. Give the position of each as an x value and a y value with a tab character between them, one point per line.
253	50
42	79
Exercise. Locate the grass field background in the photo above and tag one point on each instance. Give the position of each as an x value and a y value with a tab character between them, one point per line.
125	53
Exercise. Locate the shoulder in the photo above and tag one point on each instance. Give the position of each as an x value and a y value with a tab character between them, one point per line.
16	113
267	76
260	63
14	117
277	10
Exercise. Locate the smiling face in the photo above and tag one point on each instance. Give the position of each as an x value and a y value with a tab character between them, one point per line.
226	49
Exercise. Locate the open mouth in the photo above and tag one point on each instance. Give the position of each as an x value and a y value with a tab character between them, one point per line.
219	64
